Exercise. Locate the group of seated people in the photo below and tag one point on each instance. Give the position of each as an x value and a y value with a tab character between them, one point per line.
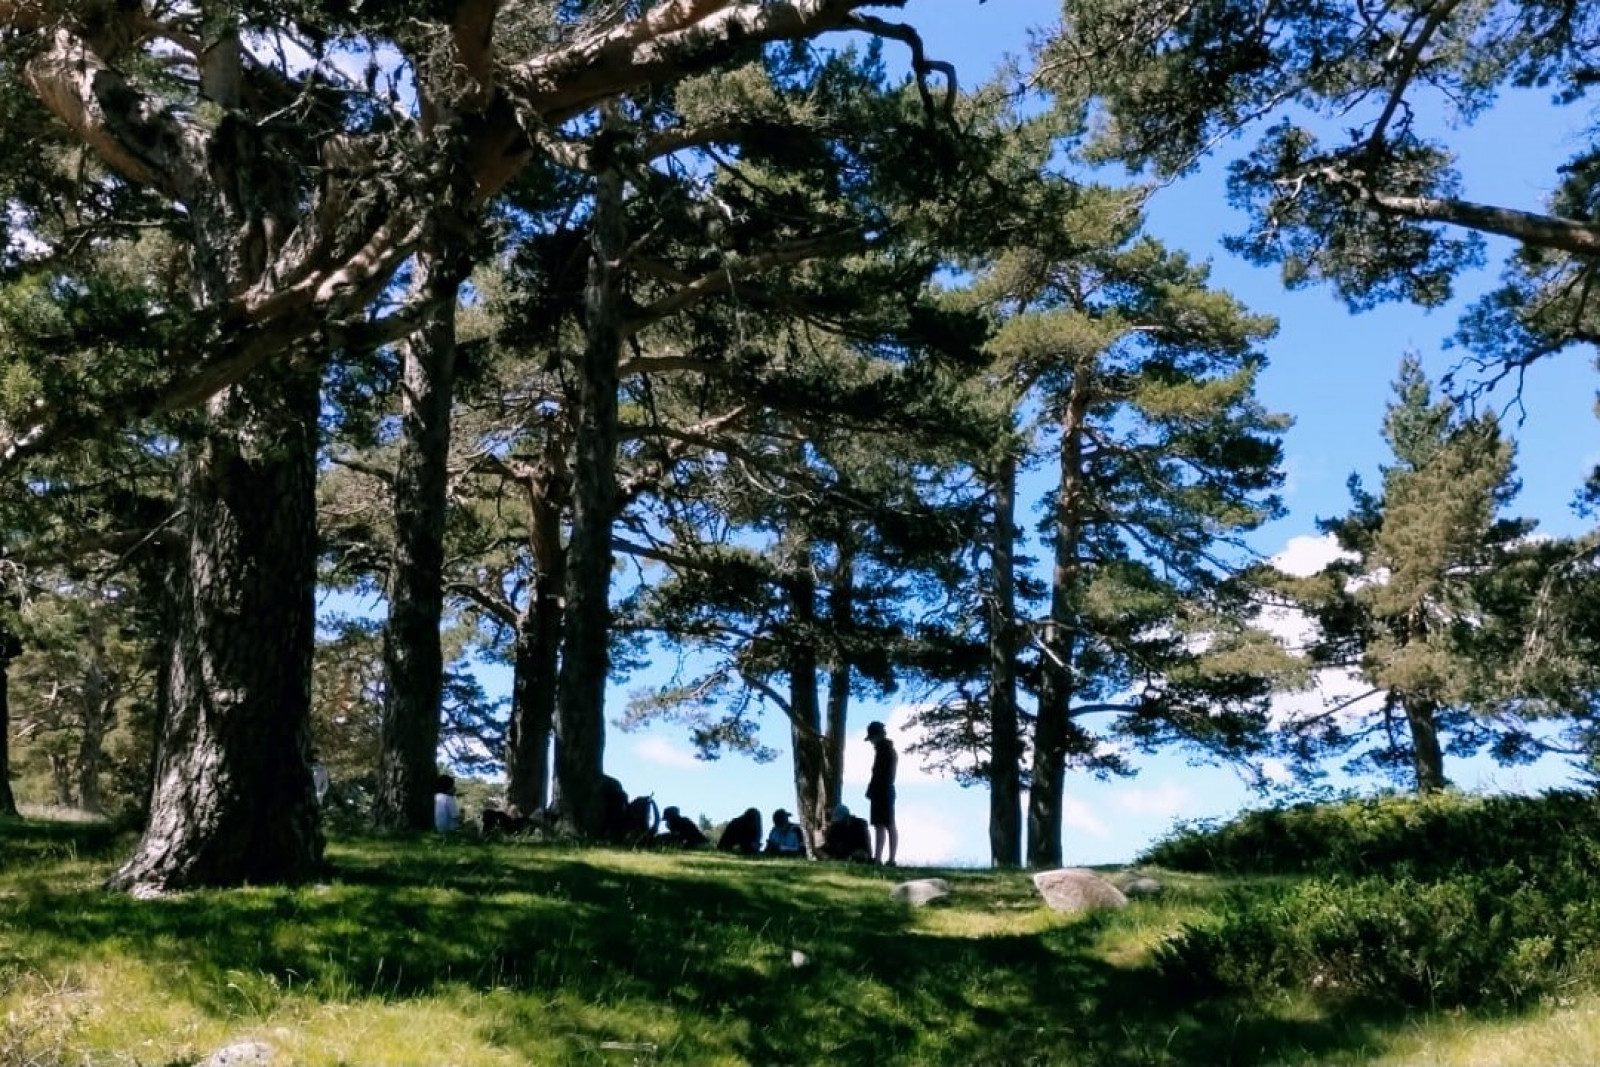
846	836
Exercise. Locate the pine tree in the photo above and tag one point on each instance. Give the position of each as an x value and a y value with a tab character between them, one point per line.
1420	607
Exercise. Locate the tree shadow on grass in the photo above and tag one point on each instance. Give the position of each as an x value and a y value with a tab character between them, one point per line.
700	949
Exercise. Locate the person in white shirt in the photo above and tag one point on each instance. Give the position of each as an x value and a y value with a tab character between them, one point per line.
446	809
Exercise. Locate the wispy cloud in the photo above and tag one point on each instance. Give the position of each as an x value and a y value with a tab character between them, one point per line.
1165	800
664	753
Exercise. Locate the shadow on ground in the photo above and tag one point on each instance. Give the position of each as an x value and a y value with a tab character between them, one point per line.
701	947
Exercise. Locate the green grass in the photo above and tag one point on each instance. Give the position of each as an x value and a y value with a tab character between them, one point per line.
455	952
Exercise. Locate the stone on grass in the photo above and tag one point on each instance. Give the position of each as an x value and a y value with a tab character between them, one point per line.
244	1054
1143	886
921	891
1077	889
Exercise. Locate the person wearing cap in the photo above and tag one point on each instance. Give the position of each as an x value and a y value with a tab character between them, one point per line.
785	839
880	792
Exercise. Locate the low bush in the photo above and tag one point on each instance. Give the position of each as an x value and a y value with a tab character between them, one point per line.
1468	941
1426	838
1427	902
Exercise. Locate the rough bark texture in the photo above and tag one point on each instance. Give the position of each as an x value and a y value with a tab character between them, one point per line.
537	660
234	801
805	713
535	671
1005	740
585	658
841	609
9	650
98	707
1052	725
413	661
1427	757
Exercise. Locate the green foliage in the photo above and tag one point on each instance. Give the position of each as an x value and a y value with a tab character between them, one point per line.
1490	939
1422	901
515	953
1427	837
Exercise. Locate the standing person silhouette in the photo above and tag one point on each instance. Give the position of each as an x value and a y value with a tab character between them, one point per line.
880	792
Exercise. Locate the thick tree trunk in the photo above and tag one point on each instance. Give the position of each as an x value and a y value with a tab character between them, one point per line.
10	649
1427	756
234	802
535	670
413	661
805	712
1053	723
842	609
1005	738
585	658
160	657
98	706
537	659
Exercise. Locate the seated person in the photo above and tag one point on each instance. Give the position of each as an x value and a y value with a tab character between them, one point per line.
446	809
681	831
510	821
785	839
742	835
847	837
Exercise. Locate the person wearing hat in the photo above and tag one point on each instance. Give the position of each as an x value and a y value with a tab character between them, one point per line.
785	839
880	792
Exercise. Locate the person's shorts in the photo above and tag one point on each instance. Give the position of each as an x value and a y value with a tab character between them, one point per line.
882	813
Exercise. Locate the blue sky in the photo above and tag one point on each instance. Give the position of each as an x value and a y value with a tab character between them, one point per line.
1329	369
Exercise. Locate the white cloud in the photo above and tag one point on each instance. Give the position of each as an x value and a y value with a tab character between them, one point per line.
1166	800
1307	555
1275	770
858	751
1076	815
660	751
927	837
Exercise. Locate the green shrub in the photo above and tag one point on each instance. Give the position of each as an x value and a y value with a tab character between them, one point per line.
1427	837
1496	938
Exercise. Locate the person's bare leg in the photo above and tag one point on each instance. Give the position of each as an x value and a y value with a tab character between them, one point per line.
894	842
879	833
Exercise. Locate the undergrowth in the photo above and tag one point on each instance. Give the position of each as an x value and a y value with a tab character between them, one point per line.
461	952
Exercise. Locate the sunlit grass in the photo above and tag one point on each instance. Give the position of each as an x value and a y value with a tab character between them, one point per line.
453	952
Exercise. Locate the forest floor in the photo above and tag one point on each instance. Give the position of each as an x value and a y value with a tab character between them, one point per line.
457	952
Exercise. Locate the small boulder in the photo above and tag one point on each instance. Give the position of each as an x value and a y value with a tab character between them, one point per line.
921	891
1076	889
244	1054
1143	886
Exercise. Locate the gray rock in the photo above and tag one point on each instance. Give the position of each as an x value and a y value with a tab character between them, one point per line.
921	891
1143	886
244	1054
1076	889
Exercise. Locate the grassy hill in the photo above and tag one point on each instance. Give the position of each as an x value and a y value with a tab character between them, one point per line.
457	952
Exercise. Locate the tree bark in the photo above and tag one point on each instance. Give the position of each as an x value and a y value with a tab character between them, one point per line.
535	672
1005	739
805	712
99	704
842	610
1427	756
10	649
234	801
537	659
1053	723
585	660
413	660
